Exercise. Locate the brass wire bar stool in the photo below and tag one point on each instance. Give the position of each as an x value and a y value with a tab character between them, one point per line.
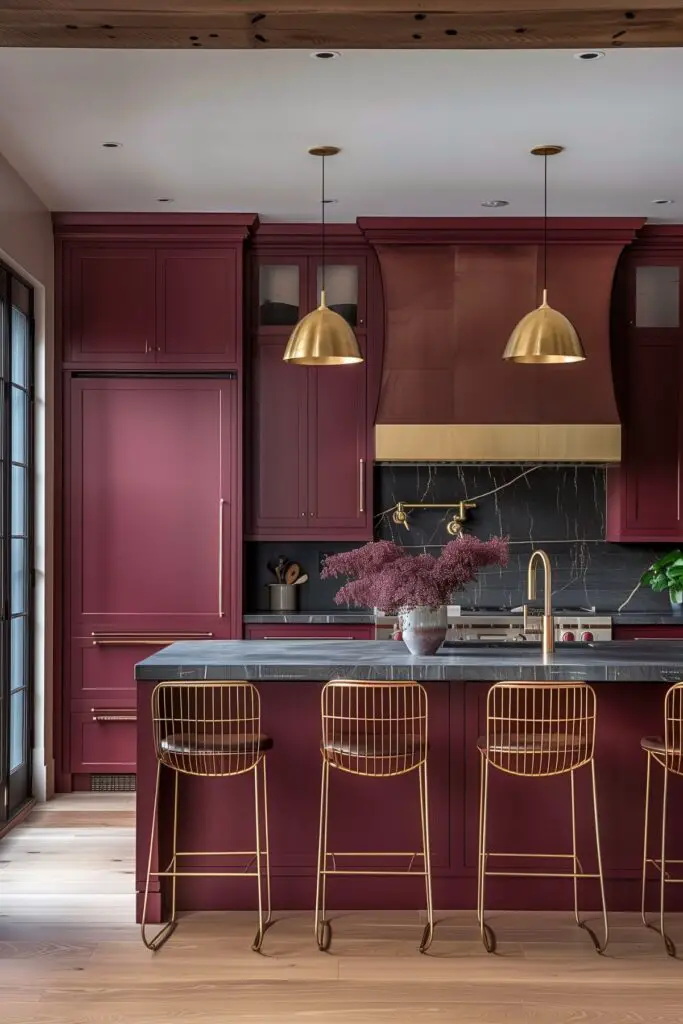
376	730
210	730
667	751
537	730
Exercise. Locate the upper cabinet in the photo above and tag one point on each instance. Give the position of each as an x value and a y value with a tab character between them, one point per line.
199	305
644	492
110	304
154	291
289	287
311	438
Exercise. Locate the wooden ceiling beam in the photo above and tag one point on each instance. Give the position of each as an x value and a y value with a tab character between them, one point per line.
340	24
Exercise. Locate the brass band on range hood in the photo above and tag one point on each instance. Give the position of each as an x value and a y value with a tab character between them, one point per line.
480	442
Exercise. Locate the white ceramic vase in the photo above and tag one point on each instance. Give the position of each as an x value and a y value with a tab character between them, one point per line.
423	628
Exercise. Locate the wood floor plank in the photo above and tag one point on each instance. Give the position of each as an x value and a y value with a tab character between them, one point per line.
70	952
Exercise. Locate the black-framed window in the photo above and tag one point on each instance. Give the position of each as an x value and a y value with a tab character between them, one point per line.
16	540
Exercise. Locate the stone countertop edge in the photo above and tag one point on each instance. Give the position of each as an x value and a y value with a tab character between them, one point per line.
317	661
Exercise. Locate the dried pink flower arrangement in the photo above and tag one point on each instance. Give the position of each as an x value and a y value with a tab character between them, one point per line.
383	575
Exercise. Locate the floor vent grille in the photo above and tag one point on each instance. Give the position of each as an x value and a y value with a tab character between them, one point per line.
112	783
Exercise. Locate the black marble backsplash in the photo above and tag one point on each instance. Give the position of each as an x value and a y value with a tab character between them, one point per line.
558	508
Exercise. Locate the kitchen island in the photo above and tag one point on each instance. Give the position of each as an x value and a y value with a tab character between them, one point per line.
630	677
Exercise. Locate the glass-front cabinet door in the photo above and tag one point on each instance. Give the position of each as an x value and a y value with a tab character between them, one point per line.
656	297
280	288
344	287
287	288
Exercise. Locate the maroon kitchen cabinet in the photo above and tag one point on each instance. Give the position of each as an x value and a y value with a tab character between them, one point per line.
160	290
310	472
199	305
648	632
339	472
311	445
292	631
644	491
278	466
109	305
153	539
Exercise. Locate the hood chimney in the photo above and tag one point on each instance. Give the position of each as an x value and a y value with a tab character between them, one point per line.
454	290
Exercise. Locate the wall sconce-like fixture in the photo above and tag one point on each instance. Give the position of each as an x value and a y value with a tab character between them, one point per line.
453	526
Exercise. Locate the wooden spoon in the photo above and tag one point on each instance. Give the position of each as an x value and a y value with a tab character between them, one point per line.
292	574
301	579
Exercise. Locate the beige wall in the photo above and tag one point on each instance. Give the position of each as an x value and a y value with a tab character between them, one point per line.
26	244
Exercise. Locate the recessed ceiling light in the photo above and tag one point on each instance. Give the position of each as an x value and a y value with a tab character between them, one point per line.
494	204
325	54
589	55
165	199
112	145
663	202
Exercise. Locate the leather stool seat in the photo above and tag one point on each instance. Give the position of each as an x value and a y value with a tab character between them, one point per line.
510	743
210	743
375	745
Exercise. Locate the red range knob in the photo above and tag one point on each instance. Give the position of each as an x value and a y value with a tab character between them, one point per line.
568	636
586	635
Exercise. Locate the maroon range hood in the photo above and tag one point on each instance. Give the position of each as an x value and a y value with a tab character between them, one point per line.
454	290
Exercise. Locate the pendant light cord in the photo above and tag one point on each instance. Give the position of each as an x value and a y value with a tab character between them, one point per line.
322	204
545	223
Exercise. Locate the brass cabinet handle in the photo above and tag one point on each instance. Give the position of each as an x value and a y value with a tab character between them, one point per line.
143	639
221	503
114	715
362	486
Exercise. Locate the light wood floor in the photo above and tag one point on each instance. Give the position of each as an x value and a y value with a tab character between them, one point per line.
70	954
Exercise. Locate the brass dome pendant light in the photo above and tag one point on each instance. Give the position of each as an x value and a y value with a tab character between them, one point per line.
544	335
323	337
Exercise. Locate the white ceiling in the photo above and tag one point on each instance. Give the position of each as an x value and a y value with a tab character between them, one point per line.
425	133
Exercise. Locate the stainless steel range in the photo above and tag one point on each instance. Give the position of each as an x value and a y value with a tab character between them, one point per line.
571	625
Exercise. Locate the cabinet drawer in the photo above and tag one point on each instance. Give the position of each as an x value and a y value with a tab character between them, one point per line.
648	632
104	739
105	672
291	631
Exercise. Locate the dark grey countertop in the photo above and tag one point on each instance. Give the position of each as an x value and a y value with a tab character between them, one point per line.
319	660
350	618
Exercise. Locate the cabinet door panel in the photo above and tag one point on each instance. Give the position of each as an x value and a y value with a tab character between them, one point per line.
152	460
103	742
652	443
199	305
105	670
278	471
339	475
111	305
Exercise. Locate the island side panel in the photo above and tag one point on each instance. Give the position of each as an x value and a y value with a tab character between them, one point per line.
365	814
531	815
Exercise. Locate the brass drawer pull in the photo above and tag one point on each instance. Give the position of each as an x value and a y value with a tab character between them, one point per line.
143	639
114	715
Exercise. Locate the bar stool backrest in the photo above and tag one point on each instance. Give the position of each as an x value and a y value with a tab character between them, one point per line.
209	729
538	729
673	729
376	728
